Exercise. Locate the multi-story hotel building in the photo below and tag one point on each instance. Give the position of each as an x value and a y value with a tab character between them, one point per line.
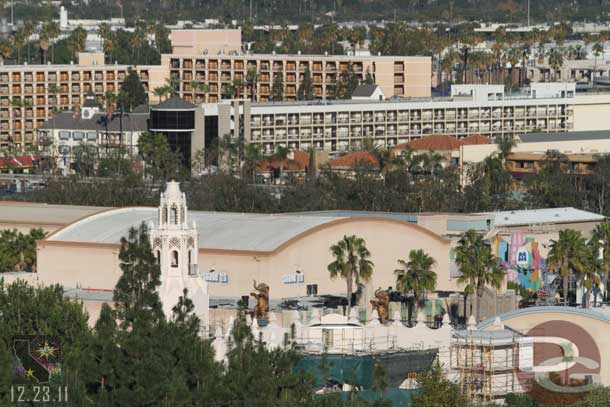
337	126
397	76
29	94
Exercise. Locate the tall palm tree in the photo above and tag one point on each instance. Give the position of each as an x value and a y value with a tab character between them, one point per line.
567	257
51	32
77	40
555	60
352	262
601	238
416	276
478	265
598	49
593	268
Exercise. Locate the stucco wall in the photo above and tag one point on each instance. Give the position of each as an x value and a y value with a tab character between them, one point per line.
388	240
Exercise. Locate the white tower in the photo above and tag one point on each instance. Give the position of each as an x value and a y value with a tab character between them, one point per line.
175	245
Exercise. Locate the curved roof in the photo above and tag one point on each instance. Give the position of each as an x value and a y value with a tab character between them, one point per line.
217	230
550	310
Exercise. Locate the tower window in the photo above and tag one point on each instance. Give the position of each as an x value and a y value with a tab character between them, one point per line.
164	215
158	257
174	258
174	215
182	214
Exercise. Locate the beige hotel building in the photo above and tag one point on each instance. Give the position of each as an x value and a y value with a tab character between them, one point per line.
29	94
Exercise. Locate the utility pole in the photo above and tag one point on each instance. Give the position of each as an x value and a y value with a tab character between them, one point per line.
528	13
250	10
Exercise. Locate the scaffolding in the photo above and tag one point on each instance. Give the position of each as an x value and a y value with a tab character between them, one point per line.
486	363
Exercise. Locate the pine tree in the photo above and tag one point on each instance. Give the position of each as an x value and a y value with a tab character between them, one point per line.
132	92
135	295
305	91
277	88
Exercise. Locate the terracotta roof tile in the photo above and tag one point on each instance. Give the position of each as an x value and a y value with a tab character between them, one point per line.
436	142
351	160
300	162
475	139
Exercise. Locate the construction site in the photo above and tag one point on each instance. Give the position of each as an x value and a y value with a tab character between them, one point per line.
486	363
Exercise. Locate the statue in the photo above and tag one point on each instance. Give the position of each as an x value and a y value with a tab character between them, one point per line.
381	303
262	301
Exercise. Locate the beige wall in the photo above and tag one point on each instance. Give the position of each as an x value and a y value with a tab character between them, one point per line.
85	266
388	240
591	112
210	41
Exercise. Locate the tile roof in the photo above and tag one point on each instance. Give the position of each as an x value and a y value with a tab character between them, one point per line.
475	139
436	142
68	120
19	161
351	160
441	142
299	162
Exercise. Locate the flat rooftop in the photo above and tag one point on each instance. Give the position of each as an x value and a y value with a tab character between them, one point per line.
565	136
544	216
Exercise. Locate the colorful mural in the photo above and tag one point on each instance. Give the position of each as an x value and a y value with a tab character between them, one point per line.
523	257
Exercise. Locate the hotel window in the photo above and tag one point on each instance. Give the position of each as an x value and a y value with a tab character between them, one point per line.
64	135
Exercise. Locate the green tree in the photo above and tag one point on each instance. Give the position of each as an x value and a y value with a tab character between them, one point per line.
77	41
161	163
435	390
305	91
132	93
135	295
415	276
277	88
478	267
352	262
601	240
566	257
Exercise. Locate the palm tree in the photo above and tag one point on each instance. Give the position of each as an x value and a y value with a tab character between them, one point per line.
601	238
351	263
479	267
598	49
281	154
590	275
566	257
555	60
251	80
105	32
77	40
136	41
416	276
160	92
51	32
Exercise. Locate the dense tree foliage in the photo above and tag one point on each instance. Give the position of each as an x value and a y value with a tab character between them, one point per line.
18	250
137	356
265	11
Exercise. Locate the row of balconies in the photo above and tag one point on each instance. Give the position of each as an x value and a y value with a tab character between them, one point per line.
67	76
266	65
401	131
